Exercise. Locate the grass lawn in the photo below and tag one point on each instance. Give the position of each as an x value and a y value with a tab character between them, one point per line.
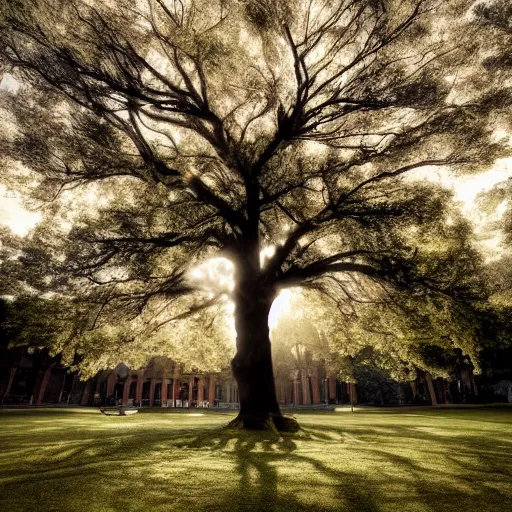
429	459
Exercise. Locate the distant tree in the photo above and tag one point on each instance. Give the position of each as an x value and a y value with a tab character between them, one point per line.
10	245
391	336
38	323
170	131
297	342
62	327
496	17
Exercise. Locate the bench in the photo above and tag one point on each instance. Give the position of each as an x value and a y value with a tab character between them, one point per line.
118	411
229	405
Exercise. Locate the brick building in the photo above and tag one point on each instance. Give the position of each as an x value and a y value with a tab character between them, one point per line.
34	377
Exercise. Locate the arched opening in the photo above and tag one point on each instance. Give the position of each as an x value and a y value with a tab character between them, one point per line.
117	395
157	399
146	386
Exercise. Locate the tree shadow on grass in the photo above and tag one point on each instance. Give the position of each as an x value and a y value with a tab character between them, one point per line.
258	457
163	469
130	466
445	468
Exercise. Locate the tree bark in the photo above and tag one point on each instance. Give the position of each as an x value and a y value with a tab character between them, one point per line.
412	383
431	390
252	364
4	391
42	383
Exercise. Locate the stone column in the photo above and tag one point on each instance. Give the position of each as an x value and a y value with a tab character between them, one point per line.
287	392
126	390
296	393
353	393
151	392
282	391
200	391
315	385
332	389
87	393
165	385
7	388
43	379
440	389
190	391
62	388
306	395
211	391
95	388
175	390
172	397
111	382
228	393
138	389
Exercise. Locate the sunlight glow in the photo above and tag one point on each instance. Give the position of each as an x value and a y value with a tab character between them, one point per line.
9	83
500	136
281	306
468	187
501	208
266	253
230	307
217	274
214	274
12	214
315	148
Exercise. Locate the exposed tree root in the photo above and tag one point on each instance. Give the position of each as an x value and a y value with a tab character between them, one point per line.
268	422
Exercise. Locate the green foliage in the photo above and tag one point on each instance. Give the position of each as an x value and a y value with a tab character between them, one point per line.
203	343
40	324
62	327
391	334
9	246
160	135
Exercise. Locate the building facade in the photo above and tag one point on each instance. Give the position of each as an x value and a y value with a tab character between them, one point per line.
29	377
35	378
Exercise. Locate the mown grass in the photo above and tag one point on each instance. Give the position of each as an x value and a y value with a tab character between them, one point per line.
372	460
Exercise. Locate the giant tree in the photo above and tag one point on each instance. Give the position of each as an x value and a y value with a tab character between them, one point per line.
277	134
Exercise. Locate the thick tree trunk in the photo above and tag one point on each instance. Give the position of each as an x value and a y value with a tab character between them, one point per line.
252	364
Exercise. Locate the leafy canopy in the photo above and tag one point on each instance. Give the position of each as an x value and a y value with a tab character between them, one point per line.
160	134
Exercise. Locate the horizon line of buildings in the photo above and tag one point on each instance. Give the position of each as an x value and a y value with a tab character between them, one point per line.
34	377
